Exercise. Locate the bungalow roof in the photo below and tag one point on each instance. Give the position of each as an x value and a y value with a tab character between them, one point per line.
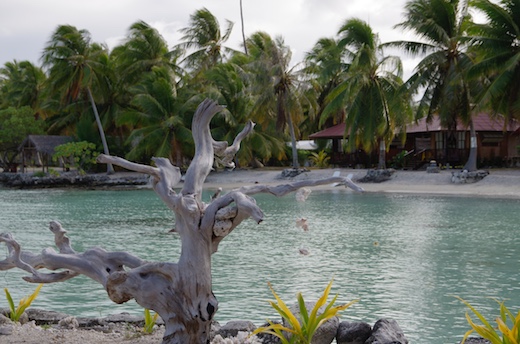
44	143
481	122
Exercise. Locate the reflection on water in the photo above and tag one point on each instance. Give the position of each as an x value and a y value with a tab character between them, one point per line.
403	256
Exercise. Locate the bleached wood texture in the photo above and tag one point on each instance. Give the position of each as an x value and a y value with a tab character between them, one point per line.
181	293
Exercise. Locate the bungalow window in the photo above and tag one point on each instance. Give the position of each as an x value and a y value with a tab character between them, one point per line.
461	139
492	139
439	140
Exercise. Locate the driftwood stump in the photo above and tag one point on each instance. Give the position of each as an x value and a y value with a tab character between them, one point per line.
181	293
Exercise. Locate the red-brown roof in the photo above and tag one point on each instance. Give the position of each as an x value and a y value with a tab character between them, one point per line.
481	122
335	132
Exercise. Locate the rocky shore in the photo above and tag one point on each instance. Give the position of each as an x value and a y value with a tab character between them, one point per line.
44	327
73	179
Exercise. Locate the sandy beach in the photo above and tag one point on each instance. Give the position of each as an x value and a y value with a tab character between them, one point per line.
502	183
499	182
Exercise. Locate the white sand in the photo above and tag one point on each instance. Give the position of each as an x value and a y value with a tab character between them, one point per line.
499	182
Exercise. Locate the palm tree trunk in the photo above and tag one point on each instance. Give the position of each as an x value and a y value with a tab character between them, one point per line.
296	164
382	155
110	168
471	164
243	33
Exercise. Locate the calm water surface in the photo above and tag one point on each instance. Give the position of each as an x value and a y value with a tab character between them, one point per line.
403	256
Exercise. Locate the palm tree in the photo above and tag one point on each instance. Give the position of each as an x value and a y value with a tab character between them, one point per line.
497	46
440	75
275	86
242	22
326	69
157	116
204	41
143	49
74	69
23	86
369	94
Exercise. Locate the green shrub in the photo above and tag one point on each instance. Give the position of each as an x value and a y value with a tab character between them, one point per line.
81	155
399	160
16	313
503	334
320	160
302	329
39	174
54	173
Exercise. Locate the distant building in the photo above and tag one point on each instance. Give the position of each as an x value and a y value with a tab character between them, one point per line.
497	144
37	150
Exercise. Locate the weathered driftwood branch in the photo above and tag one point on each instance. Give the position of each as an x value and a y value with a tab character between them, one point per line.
180	292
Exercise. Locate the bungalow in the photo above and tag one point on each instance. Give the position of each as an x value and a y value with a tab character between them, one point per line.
497	144
37	150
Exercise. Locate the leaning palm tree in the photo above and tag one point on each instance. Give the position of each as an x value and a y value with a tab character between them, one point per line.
74	69
275	86
370	94
440	77
497	46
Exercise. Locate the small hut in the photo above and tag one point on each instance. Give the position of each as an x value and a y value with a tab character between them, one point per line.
37	150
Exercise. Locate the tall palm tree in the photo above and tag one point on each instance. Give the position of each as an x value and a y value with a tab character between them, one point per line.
326	68
275	86
133	60
74	69
441	75
243	31
23	86
497	46
157	116
204	41
370	94
143	49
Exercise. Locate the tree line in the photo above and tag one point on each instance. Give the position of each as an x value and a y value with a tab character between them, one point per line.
138	99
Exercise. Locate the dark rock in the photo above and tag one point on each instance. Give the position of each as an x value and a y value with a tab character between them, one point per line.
377	176
42	317
353	332
324	334
293	172
267	338
6	330
4	320
466	177
387	331
232	328
71	179
473	340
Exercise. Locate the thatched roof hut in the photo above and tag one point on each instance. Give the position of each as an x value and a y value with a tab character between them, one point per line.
38	149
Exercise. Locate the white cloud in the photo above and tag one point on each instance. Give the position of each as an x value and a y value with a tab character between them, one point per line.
26	25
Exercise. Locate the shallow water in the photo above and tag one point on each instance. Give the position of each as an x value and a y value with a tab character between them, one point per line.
403	256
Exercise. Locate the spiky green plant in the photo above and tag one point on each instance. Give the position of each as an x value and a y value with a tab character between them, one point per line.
16	313
502	334
149	321
320	160
302	328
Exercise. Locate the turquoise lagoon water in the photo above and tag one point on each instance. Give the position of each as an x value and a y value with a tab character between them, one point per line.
403	256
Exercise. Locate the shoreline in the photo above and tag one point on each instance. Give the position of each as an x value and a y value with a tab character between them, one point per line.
500	183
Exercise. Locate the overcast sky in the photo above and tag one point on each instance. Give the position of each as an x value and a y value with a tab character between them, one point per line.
26	25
